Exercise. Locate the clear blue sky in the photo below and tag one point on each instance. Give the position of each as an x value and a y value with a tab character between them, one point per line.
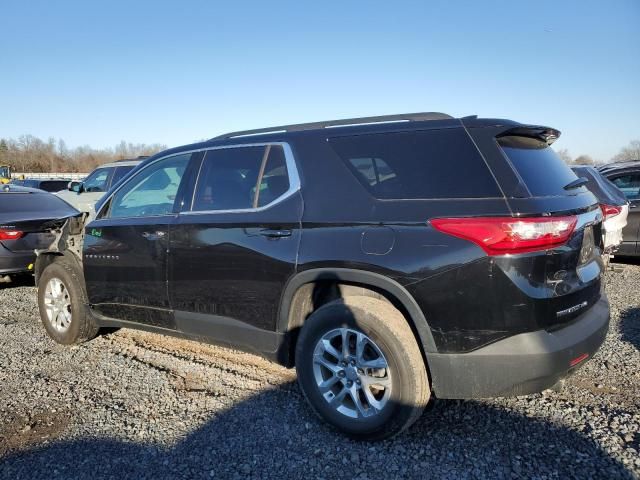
174	72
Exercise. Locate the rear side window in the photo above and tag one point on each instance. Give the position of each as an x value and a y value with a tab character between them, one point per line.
417	165
629	184
543	172
120	172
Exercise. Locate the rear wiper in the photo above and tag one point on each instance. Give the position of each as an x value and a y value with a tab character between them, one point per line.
578	182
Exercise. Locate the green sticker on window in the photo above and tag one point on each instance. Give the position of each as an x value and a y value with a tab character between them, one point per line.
96	232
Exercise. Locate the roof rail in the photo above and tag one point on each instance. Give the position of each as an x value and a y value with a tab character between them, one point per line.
403	117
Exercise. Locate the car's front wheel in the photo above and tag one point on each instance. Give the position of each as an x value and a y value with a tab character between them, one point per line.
361	369
62	303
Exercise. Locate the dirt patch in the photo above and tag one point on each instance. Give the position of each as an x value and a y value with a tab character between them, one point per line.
20	433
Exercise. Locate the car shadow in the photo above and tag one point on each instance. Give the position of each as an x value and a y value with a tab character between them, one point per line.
274	435
16	281
630	326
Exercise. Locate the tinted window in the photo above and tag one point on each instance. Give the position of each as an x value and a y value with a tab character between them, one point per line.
543	172
53	185
120	172
152	191
228	179
426	164
629	184
275	180
97	181
36	203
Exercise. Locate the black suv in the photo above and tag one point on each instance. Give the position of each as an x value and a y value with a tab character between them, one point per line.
390	259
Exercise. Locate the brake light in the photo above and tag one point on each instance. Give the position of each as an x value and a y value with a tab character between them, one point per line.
610	211
11	234
509	235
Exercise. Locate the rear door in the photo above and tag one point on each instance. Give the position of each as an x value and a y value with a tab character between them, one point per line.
125	249
234	247
629	183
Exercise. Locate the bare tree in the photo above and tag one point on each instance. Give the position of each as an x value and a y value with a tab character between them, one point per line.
30	154
630	152
563	153
584	160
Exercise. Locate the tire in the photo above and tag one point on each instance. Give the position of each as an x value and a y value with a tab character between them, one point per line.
387	338
69	321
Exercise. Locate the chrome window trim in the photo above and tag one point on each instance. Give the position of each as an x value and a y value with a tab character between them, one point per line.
292	172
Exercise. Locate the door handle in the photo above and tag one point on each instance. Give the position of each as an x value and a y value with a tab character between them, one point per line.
267	232
154	235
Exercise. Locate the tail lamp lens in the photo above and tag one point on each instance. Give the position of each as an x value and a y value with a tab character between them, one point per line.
508	235
11	234
610	211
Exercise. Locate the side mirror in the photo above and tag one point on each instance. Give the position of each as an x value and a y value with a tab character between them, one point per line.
77	187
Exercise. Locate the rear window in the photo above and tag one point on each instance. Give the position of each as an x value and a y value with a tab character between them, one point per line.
39	203
417	165
543	172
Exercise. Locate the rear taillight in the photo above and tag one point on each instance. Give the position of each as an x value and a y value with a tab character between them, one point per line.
610	211
508	235
11	234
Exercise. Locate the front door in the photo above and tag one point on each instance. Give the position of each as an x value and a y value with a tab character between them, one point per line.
629	183
233	251
125	249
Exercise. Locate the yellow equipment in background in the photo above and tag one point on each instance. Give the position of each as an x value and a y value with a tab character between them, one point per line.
5	174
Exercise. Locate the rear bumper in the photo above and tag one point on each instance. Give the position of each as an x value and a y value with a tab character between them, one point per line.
15	262
522	364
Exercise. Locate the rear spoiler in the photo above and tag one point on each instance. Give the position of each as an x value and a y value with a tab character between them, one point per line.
546	134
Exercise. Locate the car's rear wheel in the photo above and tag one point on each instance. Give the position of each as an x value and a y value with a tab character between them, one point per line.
63	305
361	369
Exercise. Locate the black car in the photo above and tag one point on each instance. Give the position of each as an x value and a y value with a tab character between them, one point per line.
389	259
26	217
48	185
626	176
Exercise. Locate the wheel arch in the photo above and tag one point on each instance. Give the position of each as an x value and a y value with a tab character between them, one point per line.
298	300
46	258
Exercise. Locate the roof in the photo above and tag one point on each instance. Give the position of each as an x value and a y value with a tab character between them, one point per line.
619	167
123	163
402	117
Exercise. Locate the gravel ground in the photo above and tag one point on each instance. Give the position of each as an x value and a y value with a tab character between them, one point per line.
138	405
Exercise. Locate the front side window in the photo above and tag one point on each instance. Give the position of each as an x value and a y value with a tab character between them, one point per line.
97	181
152	191
629	184
241	178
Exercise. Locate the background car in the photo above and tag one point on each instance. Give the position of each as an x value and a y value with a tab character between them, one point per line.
626	176
613	203
46	184
25	215
84	195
